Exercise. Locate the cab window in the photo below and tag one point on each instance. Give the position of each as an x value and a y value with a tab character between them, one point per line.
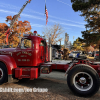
42	43
26	43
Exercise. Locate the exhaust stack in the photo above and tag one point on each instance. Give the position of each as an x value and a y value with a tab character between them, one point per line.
50	49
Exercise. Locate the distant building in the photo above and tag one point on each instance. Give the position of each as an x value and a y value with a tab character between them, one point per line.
67	43
66	39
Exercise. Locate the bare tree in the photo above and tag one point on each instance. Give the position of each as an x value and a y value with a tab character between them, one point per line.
55	31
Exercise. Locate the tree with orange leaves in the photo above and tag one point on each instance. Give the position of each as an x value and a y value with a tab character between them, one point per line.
3	29
17	29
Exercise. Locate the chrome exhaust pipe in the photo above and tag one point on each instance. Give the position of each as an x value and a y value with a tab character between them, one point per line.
50	49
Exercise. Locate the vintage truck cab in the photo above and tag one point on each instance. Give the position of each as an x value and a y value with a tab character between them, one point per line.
25	60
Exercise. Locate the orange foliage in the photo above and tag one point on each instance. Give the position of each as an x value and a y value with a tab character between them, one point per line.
18	29
3	27
8	18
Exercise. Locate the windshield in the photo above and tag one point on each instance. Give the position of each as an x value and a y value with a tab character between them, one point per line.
26	43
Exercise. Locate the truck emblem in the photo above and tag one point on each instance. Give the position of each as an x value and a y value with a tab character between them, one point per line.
24	52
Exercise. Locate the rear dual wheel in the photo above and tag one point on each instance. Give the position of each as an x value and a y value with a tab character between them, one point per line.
83	80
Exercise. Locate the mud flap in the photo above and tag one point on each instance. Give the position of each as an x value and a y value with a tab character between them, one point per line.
10	79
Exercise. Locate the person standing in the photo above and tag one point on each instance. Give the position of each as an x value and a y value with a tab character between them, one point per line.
65	56
56	55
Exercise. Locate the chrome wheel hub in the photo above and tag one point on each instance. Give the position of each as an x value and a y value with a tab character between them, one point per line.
83	81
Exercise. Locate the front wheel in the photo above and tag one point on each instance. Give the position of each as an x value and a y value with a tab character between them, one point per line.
83	80
3	73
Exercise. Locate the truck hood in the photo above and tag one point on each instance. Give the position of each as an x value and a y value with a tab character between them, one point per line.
7	51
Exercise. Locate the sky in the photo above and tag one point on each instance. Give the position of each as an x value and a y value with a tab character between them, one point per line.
59	12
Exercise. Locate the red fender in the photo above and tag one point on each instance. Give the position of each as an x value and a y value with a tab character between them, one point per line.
9	62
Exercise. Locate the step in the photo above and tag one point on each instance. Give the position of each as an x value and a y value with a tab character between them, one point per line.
28	73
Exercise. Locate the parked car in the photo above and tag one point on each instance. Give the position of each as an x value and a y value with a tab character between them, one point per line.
96	55
90	54
74	53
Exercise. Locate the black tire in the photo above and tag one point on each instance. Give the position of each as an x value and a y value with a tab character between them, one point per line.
3	73
83	80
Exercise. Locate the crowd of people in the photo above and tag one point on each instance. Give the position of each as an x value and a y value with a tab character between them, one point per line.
62	54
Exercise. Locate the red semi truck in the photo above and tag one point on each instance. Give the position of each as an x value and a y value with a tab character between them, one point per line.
32	58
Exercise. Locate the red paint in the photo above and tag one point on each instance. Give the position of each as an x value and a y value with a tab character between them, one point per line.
97	55
7	35
60	66
26	73
9	62
34	56
18	72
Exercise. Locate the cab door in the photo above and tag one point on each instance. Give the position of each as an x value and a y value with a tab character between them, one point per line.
43	50
24	55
